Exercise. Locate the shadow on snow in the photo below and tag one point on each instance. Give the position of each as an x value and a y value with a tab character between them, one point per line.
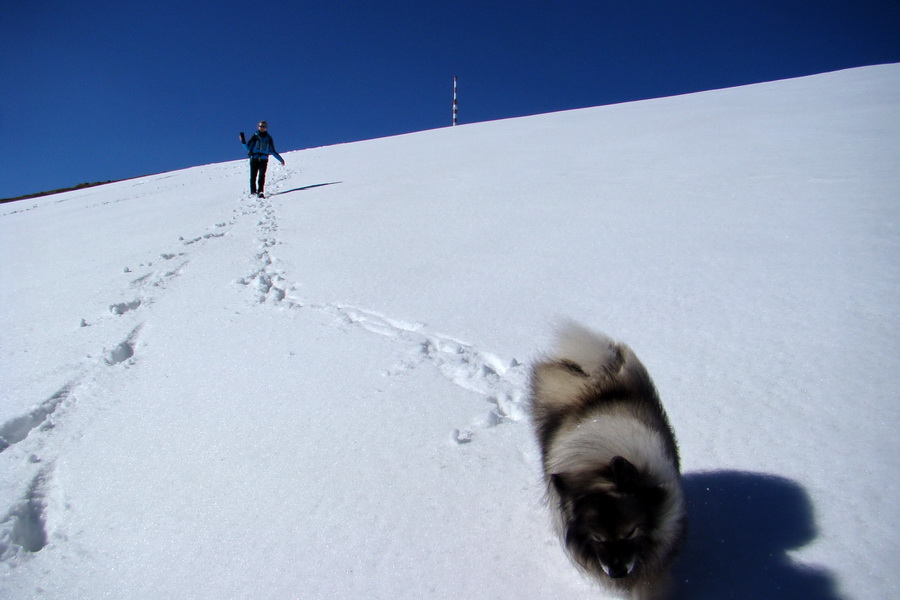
307	187
741	527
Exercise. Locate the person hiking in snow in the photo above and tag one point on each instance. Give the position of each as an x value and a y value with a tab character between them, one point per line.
259	147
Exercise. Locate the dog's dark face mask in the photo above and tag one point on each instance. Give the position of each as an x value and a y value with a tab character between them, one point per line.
607	530
609	515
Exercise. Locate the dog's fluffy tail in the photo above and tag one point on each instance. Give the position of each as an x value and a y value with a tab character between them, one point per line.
585	363
593	352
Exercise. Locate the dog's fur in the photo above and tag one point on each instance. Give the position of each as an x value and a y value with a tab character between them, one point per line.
610	461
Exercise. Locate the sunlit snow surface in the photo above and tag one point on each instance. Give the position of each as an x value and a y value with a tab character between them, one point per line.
320	394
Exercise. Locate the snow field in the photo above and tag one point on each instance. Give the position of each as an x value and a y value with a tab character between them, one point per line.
320	394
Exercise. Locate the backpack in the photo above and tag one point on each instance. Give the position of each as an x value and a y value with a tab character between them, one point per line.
262	145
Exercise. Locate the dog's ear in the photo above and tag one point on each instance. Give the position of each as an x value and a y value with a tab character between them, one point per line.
623	474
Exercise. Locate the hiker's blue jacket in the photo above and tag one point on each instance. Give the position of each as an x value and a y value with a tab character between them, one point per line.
260	146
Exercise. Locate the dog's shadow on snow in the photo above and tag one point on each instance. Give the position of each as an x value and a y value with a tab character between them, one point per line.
740	529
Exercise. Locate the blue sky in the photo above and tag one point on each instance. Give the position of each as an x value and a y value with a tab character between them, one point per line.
101	90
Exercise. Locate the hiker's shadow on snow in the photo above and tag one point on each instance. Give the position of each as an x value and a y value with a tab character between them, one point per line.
306	187
741	527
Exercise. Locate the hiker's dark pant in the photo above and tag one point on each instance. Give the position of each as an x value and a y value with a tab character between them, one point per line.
258	166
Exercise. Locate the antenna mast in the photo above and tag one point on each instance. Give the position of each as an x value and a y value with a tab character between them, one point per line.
455	104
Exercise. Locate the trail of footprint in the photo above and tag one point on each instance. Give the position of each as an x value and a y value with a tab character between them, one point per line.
268	280
40	417
23	526
503	383
208	236
166	267
145	286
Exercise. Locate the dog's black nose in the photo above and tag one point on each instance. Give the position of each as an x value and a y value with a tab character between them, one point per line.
617	572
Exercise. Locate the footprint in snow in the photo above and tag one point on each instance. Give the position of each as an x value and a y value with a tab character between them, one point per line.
24	527
18	428
124	350
123	307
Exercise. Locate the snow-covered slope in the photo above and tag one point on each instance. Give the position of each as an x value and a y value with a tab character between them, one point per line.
320	394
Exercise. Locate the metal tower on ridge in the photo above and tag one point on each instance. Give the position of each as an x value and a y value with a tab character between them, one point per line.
455	104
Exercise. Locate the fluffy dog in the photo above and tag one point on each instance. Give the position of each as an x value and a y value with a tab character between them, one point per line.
610	462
